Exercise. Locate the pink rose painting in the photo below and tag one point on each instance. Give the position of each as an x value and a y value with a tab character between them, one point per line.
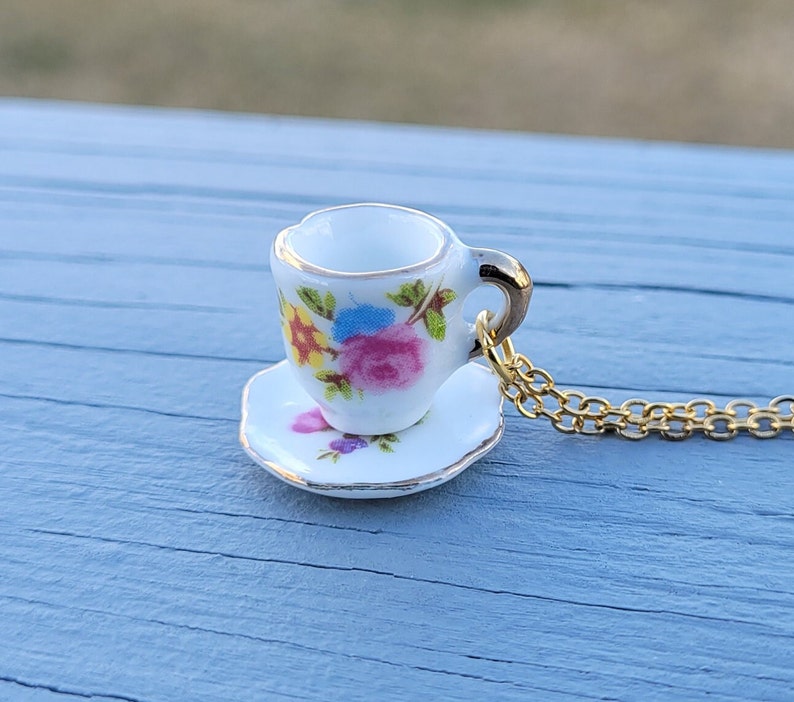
310	422
391	359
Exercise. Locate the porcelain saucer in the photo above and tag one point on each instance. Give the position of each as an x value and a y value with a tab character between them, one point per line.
282	429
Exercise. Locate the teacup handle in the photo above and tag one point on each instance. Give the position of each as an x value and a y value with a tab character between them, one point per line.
509	275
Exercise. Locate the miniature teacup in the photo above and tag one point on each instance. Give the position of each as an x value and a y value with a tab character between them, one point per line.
371	300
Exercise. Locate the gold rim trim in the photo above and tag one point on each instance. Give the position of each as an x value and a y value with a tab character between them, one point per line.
287	255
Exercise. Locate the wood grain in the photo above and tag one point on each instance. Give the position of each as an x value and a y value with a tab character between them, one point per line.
145	557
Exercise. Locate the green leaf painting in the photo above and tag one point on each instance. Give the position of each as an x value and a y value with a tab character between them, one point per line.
330	304
428	305
282	304
436	324
409	294
324	308
335	384
385	441
345	389
447	295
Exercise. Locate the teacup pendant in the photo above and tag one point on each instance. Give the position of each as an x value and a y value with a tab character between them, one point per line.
370	299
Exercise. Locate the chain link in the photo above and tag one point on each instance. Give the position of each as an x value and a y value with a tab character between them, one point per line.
533	392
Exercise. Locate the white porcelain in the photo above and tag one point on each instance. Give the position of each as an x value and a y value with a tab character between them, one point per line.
371	298
282	430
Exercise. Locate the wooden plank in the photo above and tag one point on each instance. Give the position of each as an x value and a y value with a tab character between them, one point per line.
144	557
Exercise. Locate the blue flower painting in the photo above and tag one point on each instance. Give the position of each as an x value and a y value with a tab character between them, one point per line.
363	320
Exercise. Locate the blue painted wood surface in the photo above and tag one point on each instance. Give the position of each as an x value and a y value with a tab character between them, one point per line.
144	557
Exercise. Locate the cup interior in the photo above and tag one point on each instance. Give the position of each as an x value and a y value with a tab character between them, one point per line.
367	239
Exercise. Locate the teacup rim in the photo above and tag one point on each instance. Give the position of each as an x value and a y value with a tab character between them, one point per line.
287	254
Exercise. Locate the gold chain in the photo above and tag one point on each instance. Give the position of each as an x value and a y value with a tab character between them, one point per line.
533	392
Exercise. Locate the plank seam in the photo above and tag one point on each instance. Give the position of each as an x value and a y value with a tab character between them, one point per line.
128	408
70	693
398	576
74	302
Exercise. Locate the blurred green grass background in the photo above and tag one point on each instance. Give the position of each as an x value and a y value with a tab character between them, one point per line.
692	70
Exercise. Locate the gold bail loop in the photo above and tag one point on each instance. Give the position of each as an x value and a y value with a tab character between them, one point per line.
502	366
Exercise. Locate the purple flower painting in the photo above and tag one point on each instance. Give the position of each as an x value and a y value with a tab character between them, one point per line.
348	444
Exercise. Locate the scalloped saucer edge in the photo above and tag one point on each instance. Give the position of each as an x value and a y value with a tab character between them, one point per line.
283	431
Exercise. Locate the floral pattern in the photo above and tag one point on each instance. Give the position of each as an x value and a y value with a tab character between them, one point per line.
308	343
312	421
374	351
